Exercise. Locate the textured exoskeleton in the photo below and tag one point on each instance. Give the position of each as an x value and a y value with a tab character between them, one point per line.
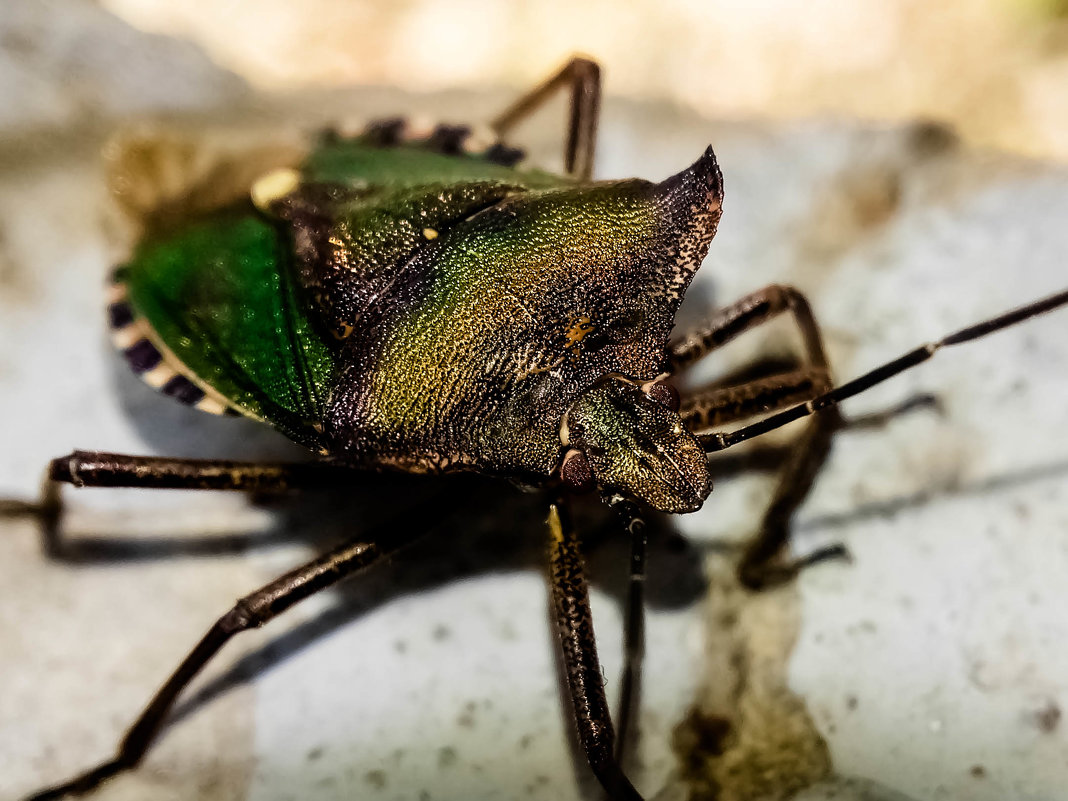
388	304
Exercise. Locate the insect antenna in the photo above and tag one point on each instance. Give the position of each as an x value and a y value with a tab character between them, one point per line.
719	441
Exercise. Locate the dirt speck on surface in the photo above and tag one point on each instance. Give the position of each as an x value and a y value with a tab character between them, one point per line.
748	736
1048	718
466	719
446	756
441	632
932	138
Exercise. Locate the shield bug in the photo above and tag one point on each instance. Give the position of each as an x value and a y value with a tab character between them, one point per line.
411	300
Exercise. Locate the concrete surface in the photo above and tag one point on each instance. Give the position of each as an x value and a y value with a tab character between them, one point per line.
932	667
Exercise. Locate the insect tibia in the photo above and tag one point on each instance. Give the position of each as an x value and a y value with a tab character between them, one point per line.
720	441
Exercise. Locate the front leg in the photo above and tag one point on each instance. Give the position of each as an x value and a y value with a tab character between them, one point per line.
99	469
574	625
633	626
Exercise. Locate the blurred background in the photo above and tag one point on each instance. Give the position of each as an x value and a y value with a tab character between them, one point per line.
994	69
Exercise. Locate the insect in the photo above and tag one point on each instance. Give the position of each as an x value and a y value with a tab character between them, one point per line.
419	308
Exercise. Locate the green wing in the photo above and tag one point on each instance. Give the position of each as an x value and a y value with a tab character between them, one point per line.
219	294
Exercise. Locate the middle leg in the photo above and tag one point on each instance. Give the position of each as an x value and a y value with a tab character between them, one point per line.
633	627
83	469
574	625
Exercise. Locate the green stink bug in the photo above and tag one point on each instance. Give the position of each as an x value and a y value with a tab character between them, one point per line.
456	309
614	416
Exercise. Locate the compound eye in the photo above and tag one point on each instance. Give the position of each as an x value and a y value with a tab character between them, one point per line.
575	472
664	394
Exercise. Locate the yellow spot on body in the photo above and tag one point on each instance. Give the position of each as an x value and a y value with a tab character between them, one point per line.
430	233
273	186
577	330
580	326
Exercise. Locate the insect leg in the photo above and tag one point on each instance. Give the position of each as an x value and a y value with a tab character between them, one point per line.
703	409
97	469
761	565
252	611
801	470
829	401
634	623
749	312
574	625
584	79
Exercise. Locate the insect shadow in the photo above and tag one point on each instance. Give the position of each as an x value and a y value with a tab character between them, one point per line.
469	539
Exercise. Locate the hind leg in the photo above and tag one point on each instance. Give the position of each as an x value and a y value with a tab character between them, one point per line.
251	611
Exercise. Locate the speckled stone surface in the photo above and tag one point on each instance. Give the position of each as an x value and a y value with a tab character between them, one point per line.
932	667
